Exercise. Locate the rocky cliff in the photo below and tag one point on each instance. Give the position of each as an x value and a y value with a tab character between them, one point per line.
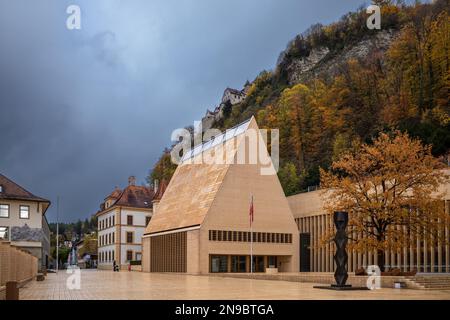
326	63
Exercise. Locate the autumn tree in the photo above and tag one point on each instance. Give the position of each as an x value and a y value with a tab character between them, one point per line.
391	190
163	169
289	179
89	245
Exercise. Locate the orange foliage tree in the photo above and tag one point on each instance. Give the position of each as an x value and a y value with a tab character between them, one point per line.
391	190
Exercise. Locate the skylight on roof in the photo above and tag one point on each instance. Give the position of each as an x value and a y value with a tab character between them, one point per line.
229	134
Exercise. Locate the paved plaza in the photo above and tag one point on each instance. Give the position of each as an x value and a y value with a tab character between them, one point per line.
97	285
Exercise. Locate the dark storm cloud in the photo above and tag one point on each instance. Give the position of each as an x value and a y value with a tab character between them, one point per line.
82	110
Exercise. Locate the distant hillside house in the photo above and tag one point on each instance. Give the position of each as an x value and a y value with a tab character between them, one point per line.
231	96
202	221
122	219
23	221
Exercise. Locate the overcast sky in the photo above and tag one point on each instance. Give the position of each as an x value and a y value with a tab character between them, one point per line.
81	110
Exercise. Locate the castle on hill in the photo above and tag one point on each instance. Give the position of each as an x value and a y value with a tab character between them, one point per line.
230	97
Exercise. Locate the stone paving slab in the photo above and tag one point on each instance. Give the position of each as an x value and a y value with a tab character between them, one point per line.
101	285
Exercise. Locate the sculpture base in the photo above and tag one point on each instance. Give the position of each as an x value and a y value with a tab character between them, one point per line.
346	287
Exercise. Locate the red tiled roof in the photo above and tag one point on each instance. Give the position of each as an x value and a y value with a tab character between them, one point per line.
12	191
115	194
161	189
136	197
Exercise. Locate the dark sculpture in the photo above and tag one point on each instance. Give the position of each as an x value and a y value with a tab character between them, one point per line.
340	239
340	257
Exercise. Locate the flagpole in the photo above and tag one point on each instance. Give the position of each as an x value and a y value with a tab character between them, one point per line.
251	237
251	248
57	233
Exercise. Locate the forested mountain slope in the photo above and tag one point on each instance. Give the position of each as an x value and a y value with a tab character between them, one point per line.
338	85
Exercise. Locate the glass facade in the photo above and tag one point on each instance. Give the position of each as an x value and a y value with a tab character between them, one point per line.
238	264
258	264
219	264
241	263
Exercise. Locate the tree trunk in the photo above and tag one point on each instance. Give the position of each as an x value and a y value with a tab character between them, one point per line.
380	255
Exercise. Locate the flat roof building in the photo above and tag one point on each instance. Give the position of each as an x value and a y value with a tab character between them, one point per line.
202	222
313	221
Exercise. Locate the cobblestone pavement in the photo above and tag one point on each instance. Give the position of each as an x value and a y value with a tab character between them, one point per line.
97	285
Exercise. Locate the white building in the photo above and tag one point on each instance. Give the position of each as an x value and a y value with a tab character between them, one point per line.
23	221
122	219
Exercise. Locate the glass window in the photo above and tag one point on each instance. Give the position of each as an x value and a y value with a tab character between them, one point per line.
129	237
130	220
129	255
219	263
24	212
4	233
272	261
258	264
238	264
4	210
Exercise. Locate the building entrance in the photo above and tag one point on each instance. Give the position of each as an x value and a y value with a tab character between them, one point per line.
305	242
